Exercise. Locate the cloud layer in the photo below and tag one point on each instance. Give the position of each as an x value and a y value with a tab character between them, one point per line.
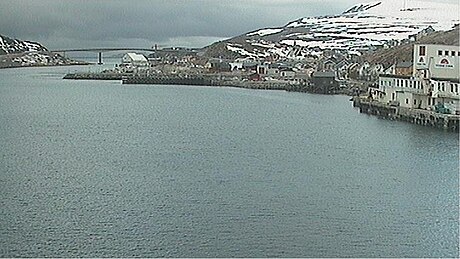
142	23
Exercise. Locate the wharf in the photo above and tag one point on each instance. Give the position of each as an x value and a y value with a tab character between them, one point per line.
449	122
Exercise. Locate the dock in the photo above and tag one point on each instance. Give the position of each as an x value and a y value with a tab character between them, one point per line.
449	122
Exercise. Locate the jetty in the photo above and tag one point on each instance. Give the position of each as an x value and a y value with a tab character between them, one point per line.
449	122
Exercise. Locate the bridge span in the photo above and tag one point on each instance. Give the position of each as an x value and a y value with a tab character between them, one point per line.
101	50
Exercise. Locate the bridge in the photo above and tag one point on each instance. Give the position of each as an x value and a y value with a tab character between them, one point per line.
101	50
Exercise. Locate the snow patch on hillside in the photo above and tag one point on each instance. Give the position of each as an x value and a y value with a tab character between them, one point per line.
360	28
265	32
8	46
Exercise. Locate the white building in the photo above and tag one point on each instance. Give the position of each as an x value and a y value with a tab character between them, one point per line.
434	81
134	60
436	61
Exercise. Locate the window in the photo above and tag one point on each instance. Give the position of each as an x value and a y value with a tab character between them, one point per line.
393	95
446	53
452	53
456	88
451	88
439	52
429	101
407	101
422	51
415	102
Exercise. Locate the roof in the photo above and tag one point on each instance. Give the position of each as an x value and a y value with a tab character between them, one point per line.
404	64
395	76
136	57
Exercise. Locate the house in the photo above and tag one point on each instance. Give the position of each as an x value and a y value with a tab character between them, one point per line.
218	65
234	66
404	68
341	69
287	73
353	71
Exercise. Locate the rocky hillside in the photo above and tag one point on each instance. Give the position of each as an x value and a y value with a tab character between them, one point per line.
404	52
13	46
19	53
360	28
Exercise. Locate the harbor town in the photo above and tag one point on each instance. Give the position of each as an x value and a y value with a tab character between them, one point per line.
229	129
423	90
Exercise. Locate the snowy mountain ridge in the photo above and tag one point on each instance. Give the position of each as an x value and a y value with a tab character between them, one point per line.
12	46
359	28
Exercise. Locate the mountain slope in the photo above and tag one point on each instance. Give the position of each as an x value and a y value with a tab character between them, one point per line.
12	46
359	28
404	52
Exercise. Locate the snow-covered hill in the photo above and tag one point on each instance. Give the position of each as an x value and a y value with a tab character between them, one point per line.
18	53
359	28
12	46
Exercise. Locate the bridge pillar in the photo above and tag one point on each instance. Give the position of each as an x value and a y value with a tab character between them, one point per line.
100	59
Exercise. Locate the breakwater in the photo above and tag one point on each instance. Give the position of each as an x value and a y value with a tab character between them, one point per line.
95	76
204	80
448	122
167	80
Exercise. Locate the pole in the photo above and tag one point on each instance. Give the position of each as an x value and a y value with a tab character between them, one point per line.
100	58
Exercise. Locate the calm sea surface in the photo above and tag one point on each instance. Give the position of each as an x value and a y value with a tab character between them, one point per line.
100	169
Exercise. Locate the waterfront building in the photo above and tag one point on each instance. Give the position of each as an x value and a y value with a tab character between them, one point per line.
324	82
434	81
134	60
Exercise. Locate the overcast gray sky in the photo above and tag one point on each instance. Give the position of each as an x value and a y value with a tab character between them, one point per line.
142	23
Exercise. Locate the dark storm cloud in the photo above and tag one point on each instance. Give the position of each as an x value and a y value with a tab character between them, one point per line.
74	23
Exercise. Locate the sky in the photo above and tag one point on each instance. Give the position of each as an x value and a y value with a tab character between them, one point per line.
62	24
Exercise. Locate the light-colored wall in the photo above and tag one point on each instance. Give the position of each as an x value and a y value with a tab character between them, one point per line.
440	66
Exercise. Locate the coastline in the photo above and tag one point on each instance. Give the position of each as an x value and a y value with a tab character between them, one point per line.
37	59
54	65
